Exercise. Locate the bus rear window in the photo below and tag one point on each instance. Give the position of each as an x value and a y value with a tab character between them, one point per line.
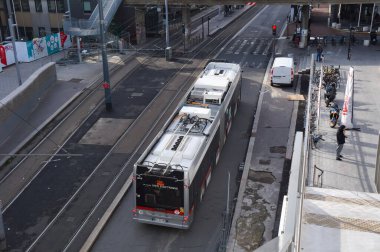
161	192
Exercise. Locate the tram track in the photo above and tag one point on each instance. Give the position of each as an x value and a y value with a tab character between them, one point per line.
48	143
124	153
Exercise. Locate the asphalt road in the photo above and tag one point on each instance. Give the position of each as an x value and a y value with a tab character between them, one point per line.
252	49
53	208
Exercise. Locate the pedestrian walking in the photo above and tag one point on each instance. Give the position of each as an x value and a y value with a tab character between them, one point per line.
341	139
319	52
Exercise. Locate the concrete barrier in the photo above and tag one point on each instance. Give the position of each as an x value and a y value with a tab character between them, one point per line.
18	105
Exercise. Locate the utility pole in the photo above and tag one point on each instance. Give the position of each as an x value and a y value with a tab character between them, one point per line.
106	77
69	10
203	30
167	23
208	26
274	33
3	244
168	50
12	33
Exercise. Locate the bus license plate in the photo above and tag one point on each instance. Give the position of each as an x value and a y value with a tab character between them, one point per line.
160	220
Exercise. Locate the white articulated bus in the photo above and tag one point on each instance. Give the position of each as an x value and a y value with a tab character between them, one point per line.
171	176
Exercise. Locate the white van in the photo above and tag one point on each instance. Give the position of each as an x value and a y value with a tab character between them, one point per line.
282	72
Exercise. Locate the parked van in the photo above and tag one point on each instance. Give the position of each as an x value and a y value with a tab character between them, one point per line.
282	71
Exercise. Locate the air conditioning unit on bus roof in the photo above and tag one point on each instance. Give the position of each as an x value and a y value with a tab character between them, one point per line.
213	97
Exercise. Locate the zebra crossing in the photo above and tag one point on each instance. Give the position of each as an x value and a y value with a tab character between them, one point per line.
255	46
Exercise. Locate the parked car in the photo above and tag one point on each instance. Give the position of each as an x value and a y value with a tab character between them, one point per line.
282	72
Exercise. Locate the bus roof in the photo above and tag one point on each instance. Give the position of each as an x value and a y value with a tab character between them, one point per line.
187	132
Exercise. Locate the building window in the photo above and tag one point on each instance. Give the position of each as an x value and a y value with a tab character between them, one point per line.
38	5
41	31
17	5
60	6
87	6
25	5
54	30
29	33
26	33
52	7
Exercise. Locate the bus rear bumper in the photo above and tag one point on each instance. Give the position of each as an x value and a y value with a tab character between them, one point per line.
163	222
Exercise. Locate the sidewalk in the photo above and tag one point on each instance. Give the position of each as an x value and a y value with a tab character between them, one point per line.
357	170
354	173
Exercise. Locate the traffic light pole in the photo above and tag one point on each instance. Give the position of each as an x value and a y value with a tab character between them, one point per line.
274	33
106	82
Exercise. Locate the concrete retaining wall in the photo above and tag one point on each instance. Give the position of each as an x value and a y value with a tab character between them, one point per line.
18	105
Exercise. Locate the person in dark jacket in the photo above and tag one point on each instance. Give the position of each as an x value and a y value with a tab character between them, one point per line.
319	52
341	139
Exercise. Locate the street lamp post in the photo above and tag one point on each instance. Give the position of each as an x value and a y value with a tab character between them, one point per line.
168	50
12	33
106	77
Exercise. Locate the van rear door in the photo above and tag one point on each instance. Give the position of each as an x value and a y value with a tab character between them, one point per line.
281	75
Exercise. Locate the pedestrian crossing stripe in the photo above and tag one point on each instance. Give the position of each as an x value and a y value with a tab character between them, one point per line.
255	46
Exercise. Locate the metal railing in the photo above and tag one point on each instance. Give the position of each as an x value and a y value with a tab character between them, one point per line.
377	172
318	178
90	27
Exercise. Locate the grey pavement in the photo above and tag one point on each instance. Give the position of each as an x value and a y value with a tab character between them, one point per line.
356	172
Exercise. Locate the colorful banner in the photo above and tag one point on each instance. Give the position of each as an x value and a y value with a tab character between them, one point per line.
39	48
6	54
24	51
347	109
65	40
32	50
52	43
